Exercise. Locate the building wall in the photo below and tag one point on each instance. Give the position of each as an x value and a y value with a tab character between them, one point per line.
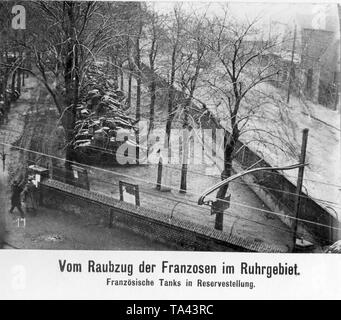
316	67
319	58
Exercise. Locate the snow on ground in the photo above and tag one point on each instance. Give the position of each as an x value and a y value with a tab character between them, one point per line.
241	219
322	179
51	229
245	216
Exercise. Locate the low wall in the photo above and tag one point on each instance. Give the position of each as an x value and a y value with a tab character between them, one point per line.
176	233
278	193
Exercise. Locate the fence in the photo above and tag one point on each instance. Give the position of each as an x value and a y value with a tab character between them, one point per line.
283	191
179	233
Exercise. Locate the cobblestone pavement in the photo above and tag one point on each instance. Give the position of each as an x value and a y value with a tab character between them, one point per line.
51	229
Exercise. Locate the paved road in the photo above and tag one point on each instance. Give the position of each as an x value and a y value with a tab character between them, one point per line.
51	229
55	230
242	218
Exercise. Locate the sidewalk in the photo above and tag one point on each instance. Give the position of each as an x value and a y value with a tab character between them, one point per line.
238	220
9	134
51	229
54	230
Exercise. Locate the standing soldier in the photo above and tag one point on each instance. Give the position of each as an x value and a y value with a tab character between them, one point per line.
30	195
17	189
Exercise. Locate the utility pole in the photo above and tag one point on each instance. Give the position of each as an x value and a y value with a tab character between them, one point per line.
292	65
300	182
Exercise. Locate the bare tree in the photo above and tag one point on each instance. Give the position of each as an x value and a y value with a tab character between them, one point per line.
193	66
237	85
154	36
139	73
62	38
175	32
11	58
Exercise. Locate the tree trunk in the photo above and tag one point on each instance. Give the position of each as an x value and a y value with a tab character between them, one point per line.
19	81
23	74
19	74
121	77
4	84
130	77
152	102
185	149
13	84
152	86
69	115
220	206
7	102
71	78
138	90
170	115
129	87
116	70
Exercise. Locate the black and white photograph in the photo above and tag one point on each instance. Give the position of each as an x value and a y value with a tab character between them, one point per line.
170	126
